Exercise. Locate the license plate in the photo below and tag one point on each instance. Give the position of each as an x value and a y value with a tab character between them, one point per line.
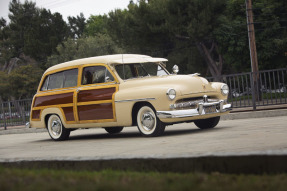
210	109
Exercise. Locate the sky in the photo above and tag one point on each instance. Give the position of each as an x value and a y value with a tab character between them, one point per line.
72	7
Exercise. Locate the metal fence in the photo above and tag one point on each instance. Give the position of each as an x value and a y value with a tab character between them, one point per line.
14	113
271	88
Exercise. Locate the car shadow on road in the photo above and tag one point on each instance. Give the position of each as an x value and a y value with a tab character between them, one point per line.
135	134
179	132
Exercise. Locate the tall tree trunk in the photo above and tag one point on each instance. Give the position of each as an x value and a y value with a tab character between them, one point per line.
214	64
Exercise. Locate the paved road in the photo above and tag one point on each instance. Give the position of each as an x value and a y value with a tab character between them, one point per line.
267	136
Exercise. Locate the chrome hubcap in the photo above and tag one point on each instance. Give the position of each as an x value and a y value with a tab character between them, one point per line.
148	121
56	127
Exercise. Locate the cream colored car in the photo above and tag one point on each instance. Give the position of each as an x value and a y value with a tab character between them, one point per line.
117	91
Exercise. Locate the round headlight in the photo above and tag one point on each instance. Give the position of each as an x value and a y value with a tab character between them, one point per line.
171	93
224	89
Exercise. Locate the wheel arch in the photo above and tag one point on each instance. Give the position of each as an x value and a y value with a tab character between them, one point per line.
136	108
46	113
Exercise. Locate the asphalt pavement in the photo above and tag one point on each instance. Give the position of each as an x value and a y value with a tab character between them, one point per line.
243	142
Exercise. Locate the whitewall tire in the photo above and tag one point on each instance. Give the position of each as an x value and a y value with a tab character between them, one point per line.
56	129
148	124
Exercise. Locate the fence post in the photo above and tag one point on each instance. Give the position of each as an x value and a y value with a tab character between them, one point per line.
253	91
4	117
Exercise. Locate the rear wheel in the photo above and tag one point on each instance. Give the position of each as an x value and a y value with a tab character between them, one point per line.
113	130
56	129
148	124
207	123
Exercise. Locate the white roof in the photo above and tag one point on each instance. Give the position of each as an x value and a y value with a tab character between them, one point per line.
109	59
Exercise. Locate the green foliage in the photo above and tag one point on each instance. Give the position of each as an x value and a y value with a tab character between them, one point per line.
24	81
96	24
33	31
51	179
4	86
270	33
140	28
77	25
71	49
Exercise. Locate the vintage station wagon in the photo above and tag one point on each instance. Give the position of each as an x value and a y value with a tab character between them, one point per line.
117	91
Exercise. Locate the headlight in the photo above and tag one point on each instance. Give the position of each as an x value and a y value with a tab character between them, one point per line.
171	94
224	89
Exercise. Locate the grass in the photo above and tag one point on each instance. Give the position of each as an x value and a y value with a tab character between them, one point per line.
51	179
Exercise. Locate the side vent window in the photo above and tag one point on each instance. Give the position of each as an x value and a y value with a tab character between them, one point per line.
45	84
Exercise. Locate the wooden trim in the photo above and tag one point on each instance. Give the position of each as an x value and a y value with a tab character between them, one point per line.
36	115
56	99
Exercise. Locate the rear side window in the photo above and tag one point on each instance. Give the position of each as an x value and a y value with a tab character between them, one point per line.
58	80
71	78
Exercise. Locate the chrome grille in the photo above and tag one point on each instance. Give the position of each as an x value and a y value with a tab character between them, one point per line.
191	103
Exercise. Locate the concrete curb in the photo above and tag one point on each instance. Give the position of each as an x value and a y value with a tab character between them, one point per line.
255	114
22	131
249	164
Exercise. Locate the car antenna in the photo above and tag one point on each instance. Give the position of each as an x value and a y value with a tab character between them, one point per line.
123	66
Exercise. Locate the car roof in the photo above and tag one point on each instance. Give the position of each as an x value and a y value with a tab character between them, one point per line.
108	59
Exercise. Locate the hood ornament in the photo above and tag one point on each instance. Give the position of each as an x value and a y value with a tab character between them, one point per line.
205	99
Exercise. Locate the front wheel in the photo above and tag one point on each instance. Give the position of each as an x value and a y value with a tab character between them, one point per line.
56	129
207	123
148	124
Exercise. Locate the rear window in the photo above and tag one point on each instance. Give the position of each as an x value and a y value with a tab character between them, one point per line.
62	79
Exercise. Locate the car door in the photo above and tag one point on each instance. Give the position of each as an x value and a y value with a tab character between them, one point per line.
95	98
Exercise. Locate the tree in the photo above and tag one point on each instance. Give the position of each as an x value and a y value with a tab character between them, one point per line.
23	81
71	49
96	24
32	31
142	28
270	31
195	21
4	86
77	25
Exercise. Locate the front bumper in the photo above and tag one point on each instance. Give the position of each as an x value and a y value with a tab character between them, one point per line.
201	110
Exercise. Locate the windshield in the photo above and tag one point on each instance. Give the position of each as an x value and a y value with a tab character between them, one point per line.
139	70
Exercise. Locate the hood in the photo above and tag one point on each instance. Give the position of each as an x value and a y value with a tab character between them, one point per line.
185	84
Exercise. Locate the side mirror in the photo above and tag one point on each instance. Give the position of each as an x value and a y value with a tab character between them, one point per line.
175	69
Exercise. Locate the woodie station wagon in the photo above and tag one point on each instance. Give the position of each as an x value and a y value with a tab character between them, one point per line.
117	91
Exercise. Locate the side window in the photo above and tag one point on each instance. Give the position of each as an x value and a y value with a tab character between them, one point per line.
96	74
68	78
56	81
71	78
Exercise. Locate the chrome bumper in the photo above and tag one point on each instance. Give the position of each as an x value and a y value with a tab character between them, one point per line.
28	125
202	109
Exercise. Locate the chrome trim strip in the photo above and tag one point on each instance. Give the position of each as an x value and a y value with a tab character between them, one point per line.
56	90
77	87
97	85
128	100
194	112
